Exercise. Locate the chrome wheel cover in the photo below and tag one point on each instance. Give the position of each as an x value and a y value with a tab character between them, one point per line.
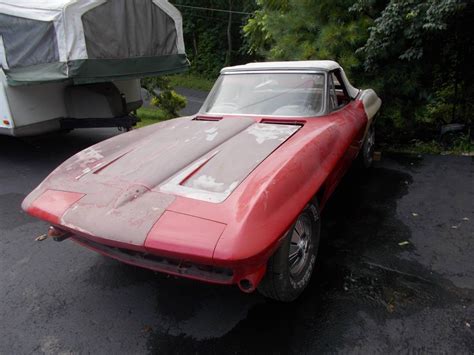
301	246
370	144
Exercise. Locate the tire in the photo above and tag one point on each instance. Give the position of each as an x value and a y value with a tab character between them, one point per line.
366	156
289	270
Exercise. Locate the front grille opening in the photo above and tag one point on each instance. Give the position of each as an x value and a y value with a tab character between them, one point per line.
165	264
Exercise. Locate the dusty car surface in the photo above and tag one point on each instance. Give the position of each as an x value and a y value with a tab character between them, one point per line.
231	195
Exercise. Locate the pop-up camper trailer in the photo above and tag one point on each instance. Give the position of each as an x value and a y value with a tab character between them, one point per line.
77	63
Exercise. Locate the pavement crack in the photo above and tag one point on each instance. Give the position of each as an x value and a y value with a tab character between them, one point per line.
386	268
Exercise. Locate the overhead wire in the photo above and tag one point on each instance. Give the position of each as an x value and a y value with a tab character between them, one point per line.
214	18
213	9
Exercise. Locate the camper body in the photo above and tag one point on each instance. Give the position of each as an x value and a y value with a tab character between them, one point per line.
41	108
77	63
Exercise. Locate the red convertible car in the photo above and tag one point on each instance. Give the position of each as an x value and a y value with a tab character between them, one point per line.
231	195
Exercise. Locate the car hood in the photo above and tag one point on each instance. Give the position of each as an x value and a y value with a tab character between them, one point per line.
125	184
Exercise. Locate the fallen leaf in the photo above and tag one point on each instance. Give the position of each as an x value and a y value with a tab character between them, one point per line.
41	238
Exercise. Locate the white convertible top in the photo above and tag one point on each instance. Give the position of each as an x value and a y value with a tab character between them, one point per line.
325	65
309	65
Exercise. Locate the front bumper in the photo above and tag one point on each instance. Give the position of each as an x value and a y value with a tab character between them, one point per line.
246	276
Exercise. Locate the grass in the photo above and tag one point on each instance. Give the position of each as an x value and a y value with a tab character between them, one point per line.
191	81
149	116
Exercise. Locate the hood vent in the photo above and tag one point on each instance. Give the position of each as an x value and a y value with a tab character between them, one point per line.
290	122
207	118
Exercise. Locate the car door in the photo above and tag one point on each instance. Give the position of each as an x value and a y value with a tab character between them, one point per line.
350	123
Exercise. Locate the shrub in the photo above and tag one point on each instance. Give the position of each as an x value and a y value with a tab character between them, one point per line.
169	101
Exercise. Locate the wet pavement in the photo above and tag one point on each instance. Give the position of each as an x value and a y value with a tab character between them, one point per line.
395	273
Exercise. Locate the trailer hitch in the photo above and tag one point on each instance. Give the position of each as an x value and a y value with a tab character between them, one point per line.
57	234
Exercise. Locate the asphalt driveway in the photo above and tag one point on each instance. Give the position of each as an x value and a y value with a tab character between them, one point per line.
395	273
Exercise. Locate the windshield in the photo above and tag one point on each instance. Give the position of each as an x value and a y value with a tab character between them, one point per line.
277	94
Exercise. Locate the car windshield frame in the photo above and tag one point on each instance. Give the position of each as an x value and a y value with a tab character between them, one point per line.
215	89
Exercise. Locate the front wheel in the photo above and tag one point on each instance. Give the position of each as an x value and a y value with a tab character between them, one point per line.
289	270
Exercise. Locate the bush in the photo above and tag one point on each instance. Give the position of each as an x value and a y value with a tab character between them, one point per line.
169	101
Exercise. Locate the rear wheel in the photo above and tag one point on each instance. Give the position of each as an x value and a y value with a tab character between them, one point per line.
289	270
366	156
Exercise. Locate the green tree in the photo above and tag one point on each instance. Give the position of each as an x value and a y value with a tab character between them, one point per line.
308	29
416	53
421	51
213	33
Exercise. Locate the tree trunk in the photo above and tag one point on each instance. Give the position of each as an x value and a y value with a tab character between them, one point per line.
228	56
195	44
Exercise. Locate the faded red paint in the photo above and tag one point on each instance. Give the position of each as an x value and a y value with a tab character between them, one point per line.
168	234
240	233
52	204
